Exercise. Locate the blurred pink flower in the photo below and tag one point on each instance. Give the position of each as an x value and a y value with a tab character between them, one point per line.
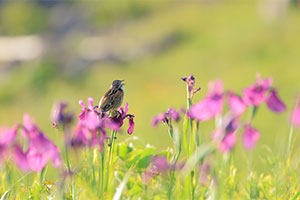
250	137
161	163
8	135
20	158
167	117
211	105
274	103
236	104
228	142
40	150
296	116
59	115
256	94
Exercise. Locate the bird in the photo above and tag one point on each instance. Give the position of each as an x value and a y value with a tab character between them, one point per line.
113	98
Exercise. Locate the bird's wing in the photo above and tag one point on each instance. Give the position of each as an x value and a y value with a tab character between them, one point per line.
111	101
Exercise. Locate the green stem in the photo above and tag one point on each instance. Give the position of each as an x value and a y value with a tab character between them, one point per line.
192	184
290	140
67	157
101	175
93	167
110	155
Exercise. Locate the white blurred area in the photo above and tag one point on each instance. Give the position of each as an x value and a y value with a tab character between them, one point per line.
20	48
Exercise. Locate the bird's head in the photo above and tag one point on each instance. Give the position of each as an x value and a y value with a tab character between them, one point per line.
117	84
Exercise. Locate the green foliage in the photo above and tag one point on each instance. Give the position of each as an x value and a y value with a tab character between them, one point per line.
21	18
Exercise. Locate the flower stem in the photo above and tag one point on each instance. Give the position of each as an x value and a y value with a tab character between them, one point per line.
93	167
101	175
110	157
290	140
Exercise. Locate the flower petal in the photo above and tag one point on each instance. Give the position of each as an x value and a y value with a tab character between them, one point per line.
296	117
20	158
228	142
274	103
250	137
236	104
131	125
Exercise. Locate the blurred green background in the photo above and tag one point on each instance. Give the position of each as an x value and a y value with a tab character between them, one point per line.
53	50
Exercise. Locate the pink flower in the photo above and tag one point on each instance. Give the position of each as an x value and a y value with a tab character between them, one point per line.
296	116
59	115
8	135
20	159
250	137
120	117
274	103
36	160
161	117
40	150
160	163
228	142
167	117
211	105
236	104
190	81
256	94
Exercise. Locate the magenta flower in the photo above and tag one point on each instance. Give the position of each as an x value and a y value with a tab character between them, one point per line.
90	129
296	116
20	159
59	115
40	149
236	104
274	103
211	105
166	118
120	117
29	127
226	136
161	117
228	142
256	94
8	135
92	125
190	81
250	137
160	163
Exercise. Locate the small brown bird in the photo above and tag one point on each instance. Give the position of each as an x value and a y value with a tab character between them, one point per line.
113	98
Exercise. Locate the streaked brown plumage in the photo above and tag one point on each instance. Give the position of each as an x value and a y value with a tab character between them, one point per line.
113	98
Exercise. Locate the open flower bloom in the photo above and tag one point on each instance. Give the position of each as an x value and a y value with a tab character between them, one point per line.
274	103
190	81
296	116
211	105
120	117
256	94
166	118
90	129
250	137
40	149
